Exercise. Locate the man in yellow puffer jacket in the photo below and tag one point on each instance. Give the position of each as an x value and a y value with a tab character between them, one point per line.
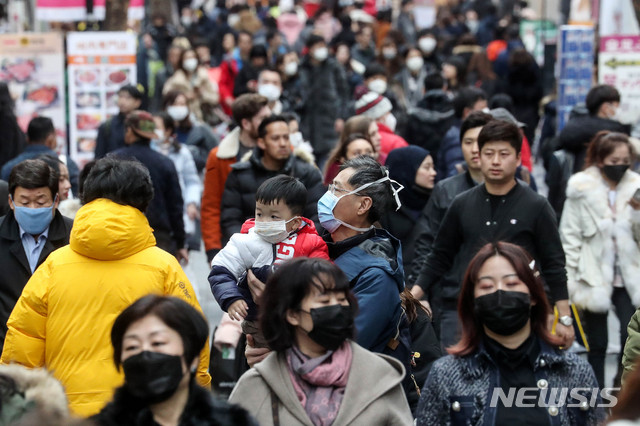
63	318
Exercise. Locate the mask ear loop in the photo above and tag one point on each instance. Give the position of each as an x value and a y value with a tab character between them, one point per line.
394	190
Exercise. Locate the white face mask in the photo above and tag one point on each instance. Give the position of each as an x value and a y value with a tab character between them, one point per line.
389	53
390	121
269	91
427	44
273	232
291	68
178	112
378	85
296	139
190	64
159	134
321	54
233	20
415	63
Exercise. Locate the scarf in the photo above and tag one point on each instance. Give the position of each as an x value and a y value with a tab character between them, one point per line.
320	382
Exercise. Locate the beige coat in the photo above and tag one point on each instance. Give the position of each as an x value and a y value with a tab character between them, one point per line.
587	229
199	89
373	395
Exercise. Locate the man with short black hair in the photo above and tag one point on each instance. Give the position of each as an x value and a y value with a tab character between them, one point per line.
29	232
603	102
111	132
271	157
500	209
63	318
248	112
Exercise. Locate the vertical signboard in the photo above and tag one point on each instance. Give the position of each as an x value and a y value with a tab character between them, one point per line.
575	69
99	64
619	66
32	65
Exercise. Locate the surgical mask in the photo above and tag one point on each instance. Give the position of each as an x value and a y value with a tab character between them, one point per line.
378	85
503	312
321	54
615	173
427	44
152	376
327	203
178	112
159	134
296	139
33	221
233	20
389	53
415	63
473	25
390	121
273	232
291	68
332	325
190	64
269	91
186	21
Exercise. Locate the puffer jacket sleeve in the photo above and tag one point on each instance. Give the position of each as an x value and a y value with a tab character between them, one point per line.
231	216
318	248
434	406
27	325
192	185
631	354
226	269
177	284
375	291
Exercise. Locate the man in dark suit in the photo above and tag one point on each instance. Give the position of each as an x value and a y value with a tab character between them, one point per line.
30	231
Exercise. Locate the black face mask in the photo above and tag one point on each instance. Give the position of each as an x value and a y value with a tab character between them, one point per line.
332	325
152	376
504	312
615	173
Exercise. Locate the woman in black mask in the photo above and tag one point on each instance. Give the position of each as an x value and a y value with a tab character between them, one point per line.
157	341
507	368
315	374
600	230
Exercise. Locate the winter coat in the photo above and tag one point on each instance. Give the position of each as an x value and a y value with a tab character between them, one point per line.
200	141
13	140
429	121
247	250
29	395
198	87
325	97
239	197
110	136
578	132
32	151
218	167
450	152
202	409
14	262
631	354
389	140
471	380
587	229
373	264
63	318
373	395
524	85
166	208
409	88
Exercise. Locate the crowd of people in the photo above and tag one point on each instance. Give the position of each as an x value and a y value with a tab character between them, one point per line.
364	192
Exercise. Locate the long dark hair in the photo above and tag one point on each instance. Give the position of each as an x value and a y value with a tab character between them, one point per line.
6	101
518	257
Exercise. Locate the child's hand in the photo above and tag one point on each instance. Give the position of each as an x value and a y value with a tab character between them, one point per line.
238	310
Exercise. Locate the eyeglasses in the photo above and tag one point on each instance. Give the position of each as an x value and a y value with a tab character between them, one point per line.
333	189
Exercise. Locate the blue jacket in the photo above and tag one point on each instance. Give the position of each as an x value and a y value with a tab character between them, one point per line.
374	268
450	153
470	381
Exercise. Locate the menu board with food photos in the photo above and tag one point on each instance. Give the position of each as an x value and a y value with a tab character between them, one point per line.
32	65
99	63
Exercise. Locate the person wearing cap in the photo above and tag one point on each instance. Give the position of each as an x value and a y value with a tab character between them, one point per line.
325	98
165	209
111	132
500	209
378	108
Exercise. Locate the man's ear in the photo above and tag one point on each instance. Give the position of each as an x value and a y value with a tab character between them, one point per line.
11	206
261	144
52	141
245	124
56	202
519	157
365	205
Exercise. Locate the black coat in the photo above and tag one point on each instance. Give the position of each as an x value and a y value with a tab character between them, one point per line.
202	410
14	264
239	196
429	121
325	98
165	210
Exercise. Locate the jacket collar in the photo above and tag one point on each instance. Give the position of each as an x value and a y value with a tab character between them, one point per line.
510	194
256	161
230	145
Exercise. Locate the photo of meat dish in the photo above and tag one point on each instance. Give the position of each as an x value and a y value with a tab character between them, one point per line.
88	121
44	96
20	71
88	100
89	77
118	77
86	144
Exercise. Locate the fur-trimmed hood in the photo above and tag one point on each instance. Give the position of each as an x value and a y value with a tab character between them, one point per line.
39	388
588	229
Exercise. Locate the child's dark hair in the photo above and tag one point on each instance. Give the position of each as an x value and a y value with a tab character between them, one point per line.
285	188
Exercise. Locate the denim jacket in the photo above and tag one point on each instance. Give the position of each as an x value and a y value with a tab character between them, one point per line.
459	390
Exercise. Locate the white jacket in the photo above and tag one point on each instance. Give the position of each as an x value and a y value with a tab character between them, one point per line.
587	229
